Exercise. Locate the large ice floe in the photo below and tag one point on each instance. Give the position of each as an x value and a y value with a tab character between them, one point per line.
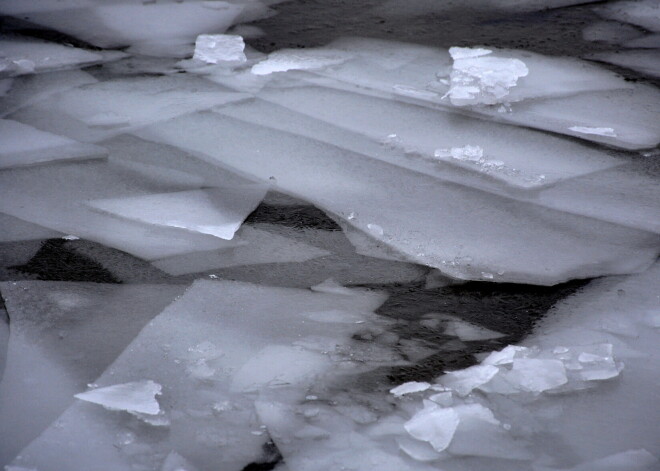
223	251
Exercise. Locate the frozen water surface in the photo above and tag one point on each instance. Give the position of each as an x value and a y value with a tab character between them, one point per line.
246	235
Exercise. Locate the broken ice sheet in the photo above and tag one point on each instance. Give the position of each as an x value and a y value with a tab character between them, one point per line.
19	56
137	397
247	323
219	48
478	78
22	145
215	211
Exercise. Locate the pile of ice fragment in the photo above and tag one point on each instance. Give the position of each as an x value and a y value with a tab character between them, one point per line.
477	77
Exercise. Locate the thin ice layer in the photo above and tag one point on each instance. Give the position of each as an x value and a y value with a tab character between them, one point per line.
98	111
428	220
215	211
63	335
19	56
44	195
210	351
22	145
258	246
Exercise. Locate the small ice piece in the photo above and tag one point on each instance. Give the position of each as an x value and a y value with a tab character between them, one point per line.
138	397
70	237
410	387
537	375
469	332
332	287
479	78
218	48
608	132
218	212
470	153
464	381
506	355
435	425
296	59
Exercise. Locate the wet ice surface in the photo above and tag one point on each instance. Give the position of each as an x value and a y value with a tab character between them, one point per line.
329	235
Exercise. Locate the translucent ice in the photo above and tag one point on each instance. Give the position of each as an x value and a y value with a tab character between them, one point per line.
137	397
478	78
464	381
219	48
409	388
435	425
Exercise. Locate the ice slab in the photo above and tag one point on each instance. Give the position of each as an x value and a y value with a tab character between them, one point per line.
15	229
256	246
98	111
421	139
644	13
19	56
22	145
215	211
296	59
63	335
115	24
219	48
30	89
644	61
479	78
350	183
410	388
209	350
44	195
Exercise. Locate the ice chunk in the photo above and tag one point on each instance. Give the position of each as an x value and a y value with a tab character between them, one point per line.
410	387
537	375
608	132
20	56
22	145
417	450
297	59
506	355
137	397
218	212
467	331
477	78
435	425
464	381
219	48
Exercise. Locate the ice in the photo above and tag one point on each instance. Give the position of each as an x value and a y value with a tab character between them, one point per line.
219	48
610	32
464	381
423	225
644	13
63	335
43	195
608	132
466	331
537	375
410	388
506	355
644	61
115	24
651	41
176	462
254	246
420	133
29	89
19	56
98	111
631	460
435	425
218	211
22	145
477	77
211	415
138	397
15	229
296	59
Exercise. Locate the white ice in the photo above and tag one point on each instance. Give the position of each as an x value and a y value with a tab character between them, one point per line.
219	48
137	397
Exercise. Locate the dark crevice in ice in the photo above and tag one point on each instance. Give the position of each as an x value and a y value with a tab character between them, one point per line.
297	216
9	24
270	460
56	262
511	309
